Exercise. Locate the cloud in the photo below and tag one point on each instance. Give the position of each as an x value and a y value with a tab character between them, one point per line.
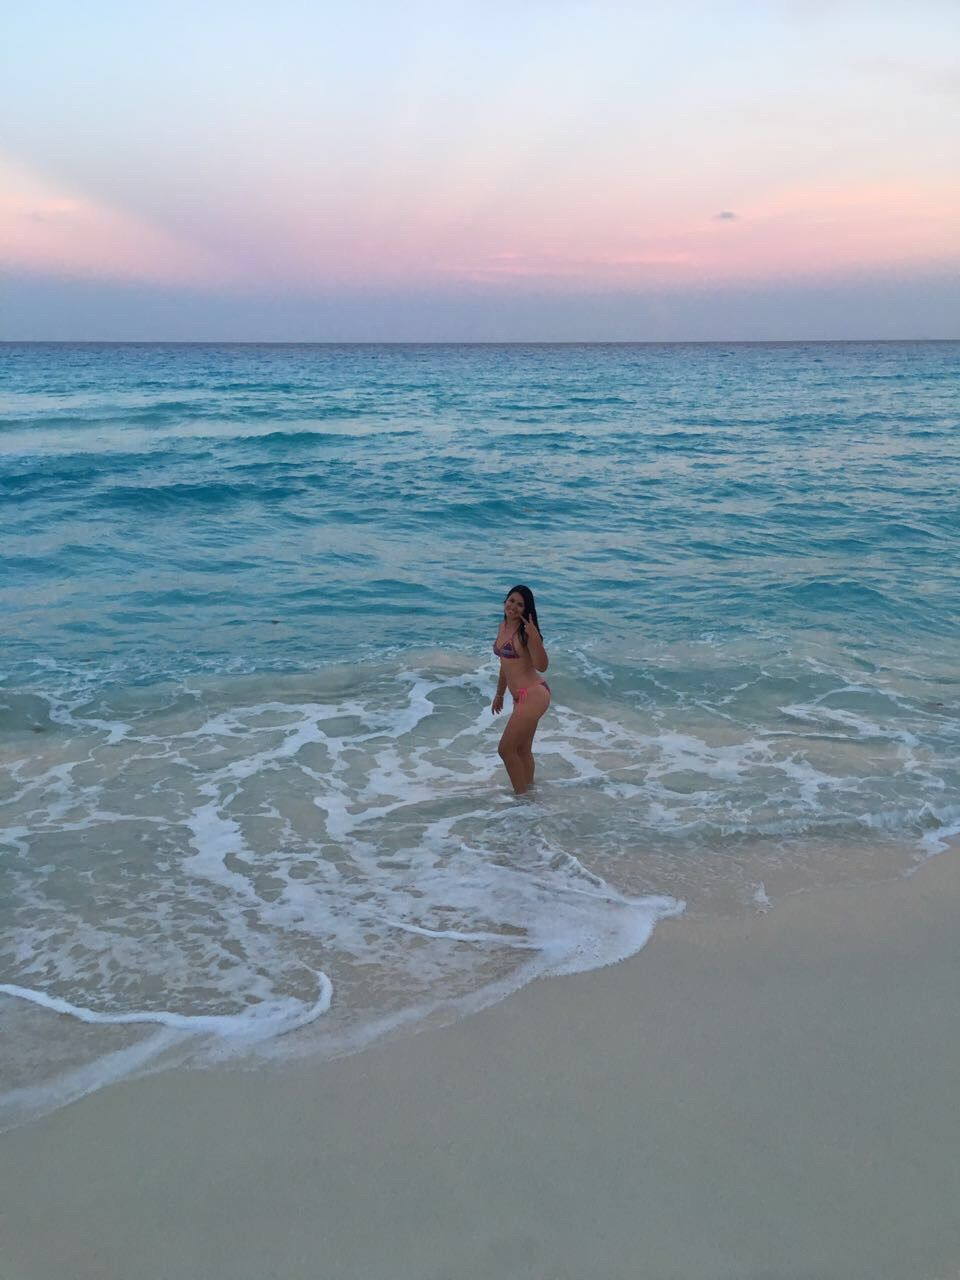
48	210
45	229
914	73
725	215
559	267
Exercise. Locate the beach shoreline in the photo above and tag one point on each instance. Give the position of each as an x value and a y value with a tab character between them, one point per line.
769	1096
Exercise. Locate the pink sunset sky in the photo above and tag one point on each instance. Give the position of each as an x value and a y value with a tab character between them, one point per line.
430	171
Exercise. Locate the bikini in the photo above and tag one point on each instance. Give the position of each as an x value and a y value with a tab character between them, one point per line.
508	651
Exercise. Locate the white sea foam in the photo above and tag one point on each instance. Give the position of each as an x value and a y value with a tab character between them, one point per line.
272	840
298	865
25	1102
259	1021
760	897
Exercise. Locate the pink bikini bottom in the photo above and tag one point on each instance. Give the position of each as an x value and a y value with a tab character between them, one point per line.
520	696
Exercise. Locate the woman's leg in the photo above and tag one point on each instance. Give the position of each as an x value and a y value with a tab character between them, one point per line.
525	752
529	764
516	769
517	741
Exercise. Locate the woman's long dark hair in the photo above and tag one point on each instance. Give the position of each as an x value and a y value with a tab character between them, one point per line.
529	610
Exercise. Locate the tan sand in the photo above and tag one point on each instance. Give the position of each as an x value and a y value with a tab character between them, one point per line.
766	1099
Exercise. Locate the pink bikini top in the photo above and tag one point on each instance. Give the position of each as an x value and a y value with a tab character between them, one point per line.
508	651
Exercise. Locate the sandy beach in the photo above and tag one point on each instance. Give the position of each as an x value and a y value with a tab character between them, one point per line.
768	1097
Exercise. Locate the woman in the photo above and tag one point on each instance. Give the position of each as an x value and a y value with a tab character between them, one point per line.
519	646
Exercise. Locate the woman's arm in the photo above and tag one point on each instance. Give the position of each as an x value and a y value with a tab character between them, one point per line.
537	652
497	705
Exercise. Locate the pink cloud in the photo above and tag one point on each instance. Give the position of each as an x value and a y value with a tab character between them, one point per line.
606	238
47	230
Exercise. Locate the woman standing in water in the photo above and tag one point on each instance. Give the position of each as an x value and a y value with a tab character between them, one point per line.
519	646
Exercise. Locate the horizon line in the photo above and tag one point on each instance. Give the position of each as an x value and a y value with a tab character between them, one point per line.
453	342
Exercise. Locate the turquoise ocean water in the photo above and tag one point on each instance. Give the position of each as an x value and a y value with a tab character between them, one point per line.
250	802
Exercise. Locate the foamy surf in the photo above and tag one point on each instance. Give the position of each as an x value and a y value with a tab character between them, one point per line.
296	873
284	865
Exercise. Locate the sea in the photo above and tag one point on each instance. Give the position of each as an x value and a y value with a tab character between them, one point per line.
251	804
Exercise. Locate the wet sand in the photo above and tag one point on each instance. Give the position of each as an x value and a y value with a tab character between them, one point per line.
769	1098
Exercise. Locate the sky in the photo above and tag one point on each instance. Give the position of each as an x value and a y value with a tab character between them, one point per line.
539	170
